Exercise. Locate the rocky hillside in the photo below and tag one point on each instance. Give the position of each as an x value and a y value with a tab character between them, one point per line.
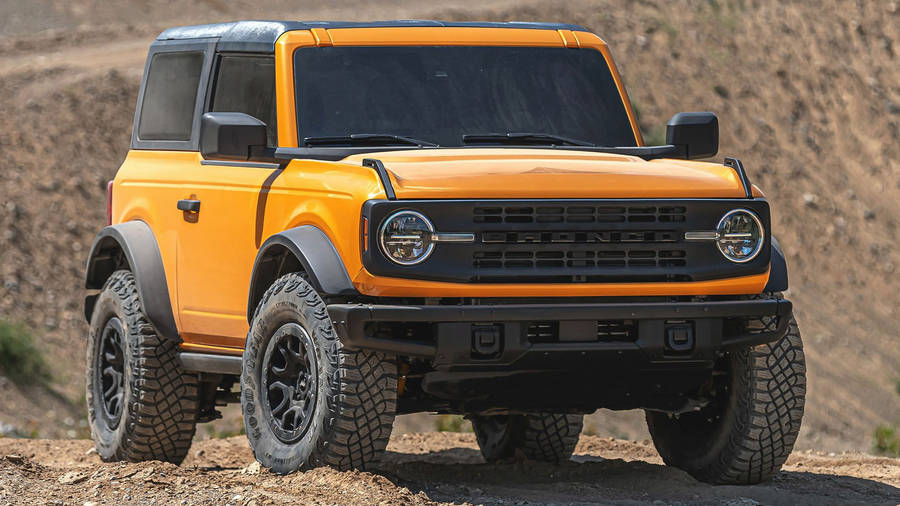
807	93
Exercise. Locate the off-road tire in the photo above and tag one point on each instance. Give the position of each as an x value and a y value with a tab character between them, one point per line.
159	401
545	437
356	389
749	437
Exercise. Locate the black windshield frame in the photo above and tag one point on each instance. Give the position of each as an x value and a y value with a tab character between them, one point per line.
440	93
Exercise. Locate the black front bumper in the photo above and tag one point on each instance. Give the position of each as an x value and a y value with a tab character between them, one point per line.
448	334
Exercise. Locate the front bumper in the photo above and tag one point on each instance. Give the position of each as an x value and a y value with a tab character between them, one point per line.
450	335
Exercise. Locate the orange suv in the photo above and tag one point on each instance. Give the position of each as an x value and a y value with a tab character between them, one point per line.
358	220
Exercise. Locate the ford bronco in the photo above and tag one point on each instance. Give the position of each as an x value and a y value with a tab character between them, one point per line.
358	220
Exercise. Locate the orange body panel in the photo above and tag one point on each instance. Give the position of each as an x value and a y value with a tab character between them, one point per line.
206	262
209	262
144	189
543	173
393	287
330	195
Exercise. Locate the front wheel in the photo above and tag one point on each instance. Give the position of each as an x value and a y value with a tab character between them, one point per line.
308	401
745	434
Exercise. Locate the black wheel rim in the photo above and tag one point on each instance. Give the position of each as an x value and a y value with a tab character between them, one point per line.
291	382
111	371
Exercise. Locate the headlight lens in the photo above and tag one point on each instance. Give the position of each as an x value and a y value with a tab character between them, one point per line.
740	235
405	237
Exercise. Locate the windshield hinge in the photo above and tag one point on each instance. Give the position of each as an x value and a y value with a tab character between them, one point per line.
738	167
382	175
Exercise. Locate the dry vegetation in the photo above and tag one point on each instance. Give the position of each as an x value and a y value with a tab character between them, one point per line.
807	93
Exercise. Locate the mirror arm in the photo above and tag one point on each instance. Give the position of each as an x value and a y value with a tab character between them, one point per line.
680	151
266	155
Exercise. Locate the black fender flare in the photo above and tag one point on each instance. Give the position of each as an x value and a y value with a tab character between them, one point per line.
778	274
132	242
305	248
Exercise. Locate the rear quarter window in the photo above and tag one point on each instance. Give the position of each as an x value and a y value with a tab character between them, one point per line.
170	95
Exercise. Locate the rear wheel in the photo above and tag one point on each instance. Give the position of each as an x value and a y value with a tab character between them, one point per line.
747	431
544	437
307	401
141	405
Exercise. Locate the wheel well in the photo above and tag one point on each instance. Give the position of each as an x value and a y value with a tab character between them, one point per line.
276	261
108	257
305	249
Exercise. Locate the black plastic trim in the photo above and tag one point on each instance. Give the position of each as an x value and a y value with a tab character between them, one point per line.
452	262
235	163
210	363
135	240
317	256
738	167
778	272
231	136
382	175
350	319
695	134
189	205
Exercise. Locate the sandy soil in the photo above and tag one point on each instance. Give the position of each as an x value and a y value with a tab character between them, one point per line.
425	468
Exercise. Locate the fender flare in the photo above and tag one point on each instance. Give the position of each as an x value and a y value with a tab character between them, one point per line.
132	242
305	248
778	274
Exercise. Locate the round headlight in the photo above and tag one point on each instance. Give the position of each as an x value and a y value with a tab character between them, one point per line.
405	237
740	235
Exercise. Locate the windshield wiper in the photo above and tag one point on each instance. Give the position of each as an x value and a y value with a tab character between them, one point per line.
523	138
366	139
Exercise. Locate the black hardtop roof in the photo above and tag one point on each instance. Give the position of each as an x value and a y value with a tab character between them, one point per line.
260	36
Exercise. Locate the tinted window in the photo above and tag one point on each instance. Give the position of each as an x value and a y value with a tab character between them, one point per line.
167	112
440	93
247	84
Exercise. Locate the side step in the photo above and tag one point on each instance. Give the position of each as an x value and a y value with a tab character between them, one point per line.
210	363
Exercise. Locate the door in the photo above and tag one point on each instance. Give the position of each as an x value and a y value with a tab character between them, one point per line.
222	206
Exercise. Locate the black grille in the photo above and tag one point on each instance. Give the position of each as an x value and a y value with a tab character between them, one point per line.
607	331
579	214
543	332
568	241
617	330
550	259
580	237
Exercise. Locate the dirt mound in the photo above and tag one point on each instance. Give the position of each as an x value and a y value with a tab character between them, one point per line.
807	93
424	469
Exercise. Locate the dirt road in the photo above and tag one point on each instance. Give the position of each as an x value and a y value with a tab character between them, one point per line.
424	469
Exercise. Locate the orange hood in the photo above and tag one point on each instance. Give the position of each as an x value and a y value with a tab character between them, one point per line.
511	173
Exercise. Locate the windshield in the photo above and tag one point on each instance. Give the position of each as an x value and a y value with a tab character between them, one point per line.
441	93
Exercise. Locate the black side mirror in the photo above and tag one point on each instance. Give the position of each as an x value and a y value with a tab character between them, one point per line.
695	134
230	135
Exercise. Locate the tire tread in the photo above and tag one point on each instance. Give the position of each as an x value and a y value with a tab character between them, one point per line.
161	413
771	393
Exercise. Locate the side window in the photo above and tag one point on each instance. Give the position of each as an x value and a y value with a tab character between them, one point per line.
167	112
247	84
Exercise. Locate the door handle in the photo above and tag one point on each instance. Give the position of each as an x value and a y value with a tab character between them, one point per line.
189	206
